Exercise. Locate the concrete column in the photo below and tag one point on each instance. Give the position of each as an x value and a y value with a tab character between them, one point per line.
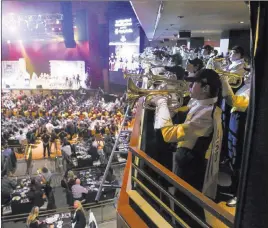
224	42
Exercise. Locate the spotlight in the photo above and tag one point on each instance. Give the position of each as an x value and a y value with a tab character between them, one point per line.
13	29
8	42
20	41
75	26
60	29
57	22
241	22
53	29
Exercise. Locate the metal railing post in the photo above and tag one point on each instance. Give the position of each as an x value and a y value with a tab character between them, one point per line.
111	157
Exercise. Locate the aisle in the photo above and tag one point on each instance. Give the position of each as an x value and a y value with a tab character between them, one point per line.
38	152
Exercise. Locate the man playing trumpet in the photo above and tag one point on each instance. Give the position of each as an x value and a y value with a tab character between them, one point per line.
194	135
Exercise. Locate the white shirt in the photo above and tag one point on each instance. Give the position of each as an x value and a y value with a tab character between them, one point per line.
49	127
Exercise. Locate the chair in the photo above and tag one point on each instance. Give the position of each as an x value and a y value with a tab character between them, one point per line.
44	206
6	210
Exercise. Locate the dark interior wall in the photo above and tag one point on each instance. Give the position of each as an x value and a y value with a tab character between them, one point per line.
144	42
241	38
196	42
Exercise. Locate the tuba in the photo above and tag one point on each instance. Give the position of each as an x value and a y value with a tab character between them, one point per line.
235	80
134	93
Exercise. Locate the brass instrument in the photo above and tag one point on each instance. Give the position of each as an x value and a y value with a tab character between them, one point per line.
214	61
158	80
134	93
232	77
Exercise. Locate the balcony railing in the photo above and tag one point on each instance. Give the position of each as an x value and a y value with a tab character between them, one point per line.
138	204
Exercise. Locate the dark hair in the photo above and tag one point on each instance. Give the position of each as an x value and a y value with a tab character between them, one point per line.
44	170
239	50
213	81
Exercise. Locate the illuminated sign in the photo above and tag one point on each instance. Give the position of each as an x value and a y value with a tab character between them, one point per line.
123	23
123	26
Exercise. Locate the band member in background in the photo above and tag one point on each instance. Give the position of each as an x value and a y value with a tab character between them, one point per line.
193	136
237	63
207	53
237	67
239	103
193	66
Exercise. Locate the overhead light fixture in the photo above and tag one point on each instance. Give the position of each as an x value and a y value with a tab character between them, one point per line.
180	17
241	22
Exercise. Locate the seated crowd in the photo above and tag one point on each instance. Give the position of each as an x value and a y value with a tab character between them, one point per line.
61	117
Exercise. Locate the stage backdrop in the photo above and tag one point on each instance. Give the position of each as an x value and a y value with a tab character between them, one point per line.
13	73
37	56
38	53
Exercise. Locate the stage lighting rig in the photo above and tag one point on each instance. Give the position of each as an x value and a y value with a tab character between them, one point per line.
31	25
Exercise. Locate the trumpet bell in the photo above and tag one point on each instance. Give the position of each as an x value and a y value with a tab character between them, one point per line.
134	93
235	80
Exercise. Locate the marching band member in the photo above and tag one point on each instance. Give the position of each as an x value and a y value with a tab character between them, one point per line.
238	63
237	67
239	103
193	66
194	135
207	53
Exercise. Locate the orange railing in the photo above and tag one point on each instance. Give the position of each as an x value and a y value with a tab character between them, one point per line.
124	208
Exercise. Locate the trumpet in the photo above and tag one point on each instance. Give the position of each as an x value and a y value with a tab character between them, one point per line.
179	84
217	63
134	93
158	80
235	80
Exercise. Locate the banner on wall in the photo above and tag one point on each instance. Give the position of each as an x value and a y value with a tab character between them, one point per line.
123	47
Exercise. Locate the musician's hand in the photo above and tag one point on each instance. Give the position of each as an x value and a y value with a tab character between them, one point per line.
224	78
159	100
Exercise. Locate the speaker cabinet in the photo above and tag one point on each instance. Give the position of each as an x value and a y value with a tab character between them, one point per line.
185	34
81	24
67	24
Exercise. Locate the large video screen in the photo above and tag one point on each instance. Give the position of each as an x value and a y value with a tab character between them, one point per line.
123	47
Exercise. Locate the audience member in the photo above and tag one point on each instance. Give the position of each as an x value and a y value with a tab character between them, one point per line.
78	190
79	217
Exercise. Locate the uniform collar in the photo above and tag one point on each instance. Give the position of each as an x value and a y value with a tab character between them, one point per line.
239	61
207	101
